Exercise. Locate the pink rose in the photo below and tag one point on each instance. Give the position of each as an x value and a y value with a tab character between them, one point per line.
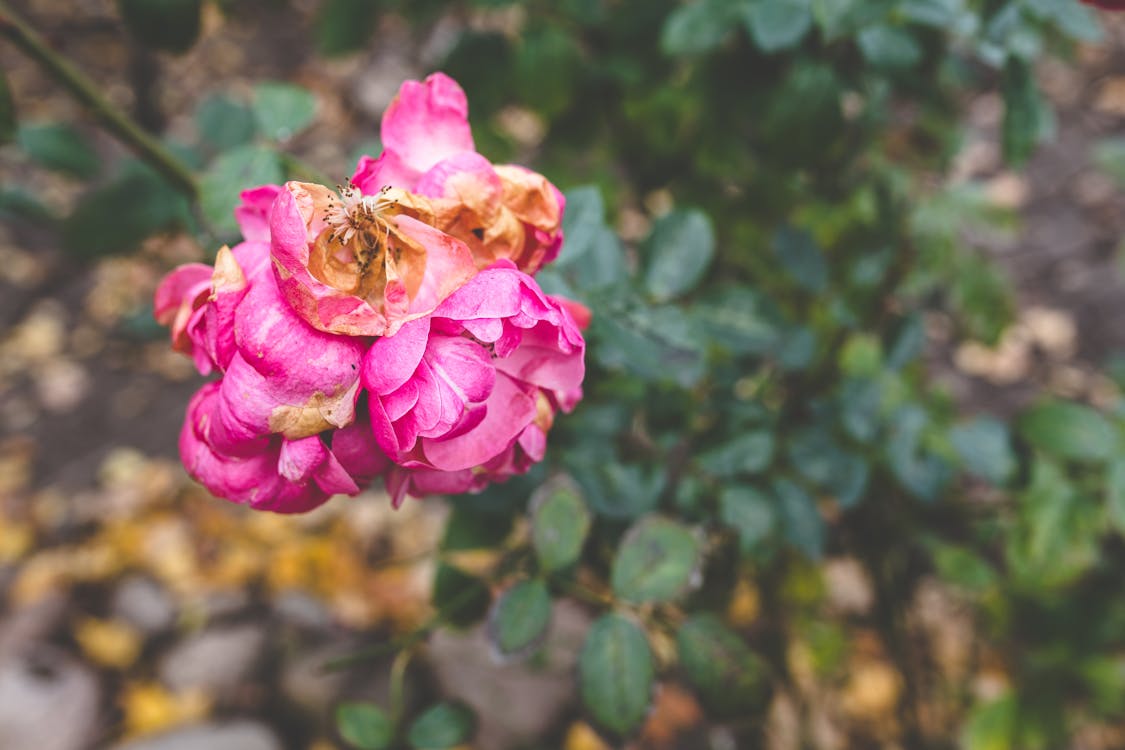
501	211
466	394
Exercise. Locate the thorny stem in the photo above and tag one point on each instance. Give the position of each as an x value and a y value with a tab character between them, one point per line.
86	91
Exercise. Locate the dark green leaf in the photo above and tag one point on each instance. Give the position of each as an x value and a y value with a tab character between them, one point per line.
118	216
468	528
679	250
776	25
520	618
696	28
739	320
1068	430
800	518
240	169
820	459
560	522
748	453
442	726
461	599
657	344
799	255
907	343
282	109
920	472
985	448
729	677
547	68
750	512
59	147
656	561
616	674
223	123
889	46
19	204
169	25
364	725
344	26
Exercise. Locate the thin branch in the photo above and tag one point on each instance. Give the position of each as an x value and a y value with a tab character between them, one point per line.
86	91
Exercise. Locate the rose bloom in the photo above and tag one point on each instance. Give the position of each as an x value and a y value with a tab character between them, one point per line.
466	394
500	211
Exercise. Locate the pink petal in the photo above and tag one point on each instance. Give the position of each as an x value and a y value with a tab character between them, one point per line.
253	211
509	410
427	122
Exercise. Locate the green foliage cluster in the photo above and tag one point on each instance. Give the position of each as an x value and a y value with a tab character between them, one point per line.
755	398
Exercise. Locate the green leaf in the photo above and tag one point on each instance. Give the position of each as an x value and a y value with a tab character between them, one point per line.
520	618
1026	120
560	522
469	528
963	568
907	343
818	458
992	725
1115	494
985	448
364	725
442	726
889	46
1068	430
282	109
696	28
749	453
799	255
117	216
656	344
616	674
547	69
344	26
919	471
739	320
169	25
748	511
776	25
1076	21
17	204
223	123
729	677
60	147
679	250
800	518
240	169
461	599
656	561
8	123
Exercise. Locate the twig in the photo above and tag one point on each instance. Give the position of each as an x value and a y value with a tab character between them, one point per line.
82	88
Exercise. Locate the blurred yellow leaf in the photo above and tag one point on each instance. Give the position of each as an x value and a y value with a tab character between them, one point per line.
744	604
150	707
109	643
15	540
581	736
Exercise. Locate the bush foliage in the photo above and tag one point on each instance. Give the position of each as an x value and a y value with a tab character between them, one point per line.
756	402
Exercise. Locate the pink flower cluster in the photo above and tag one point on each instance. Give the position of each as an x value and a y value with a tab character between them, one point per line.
392	330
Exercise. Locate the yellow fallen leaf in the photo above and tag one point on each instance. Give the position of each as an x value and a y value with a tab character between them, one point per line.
109	643
581	736
744	604
15	540
150	707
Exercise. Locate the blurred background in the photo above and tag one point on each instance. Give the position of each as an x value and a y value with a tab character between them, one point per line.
137	611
